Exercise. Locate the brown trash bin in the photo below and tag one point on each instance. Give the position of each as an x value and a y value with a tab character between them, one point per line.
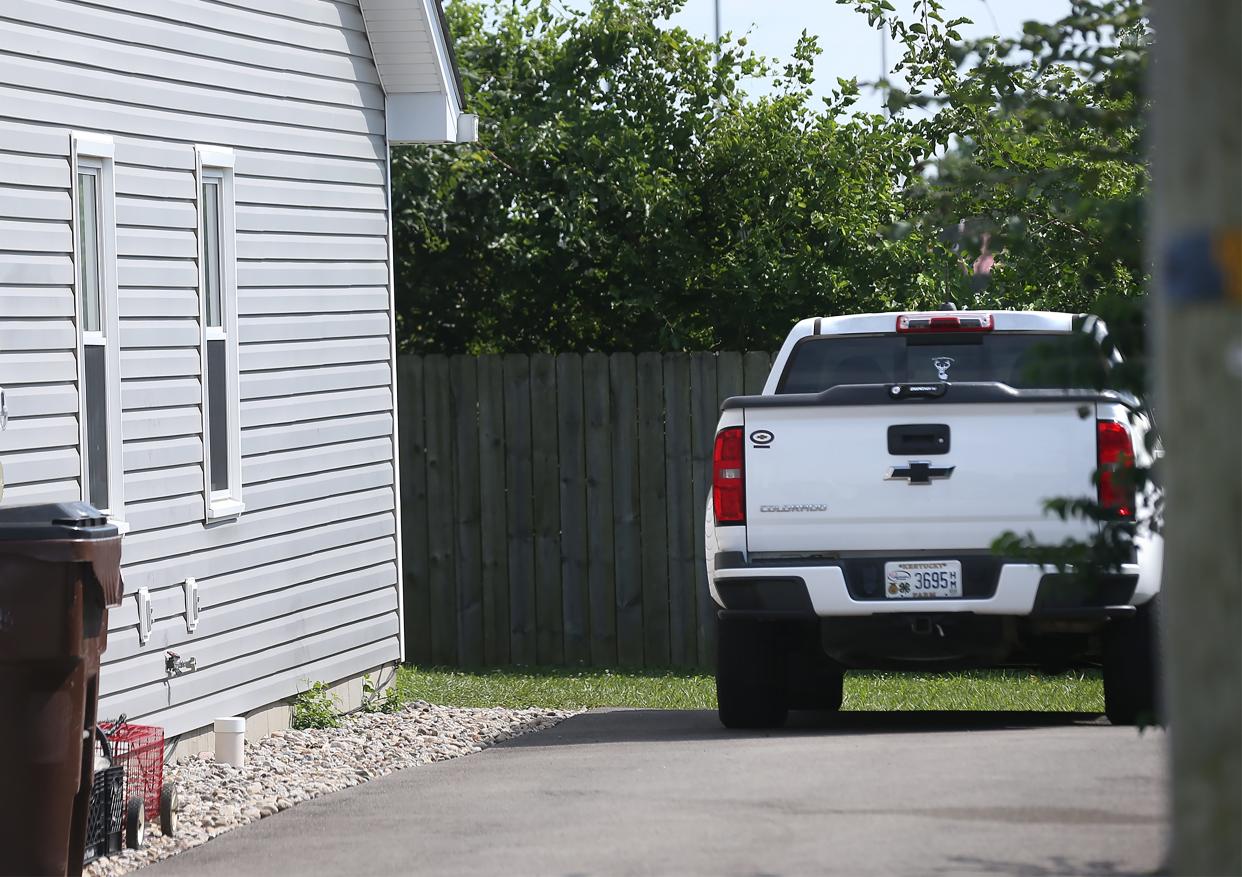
60	570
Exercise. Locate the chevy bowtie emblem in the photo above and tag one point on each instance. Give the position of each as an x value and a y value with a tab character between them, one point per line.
918	472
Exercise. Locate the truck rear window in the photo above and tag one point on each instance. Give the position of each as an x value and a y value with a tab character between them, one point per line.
1025	360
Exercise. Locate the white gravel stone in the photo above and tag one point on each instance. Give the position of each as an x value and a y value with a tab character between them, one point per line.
290	766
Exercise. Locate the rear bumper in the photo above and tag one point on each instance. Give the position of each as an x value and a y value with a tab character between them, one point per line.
822	591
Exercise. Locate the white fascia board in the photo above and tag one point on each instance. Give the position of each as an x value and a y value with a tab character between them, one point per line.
422	117
440	39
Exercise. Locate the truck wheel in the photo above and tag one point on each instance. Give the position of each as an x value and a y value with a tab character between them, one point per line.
750	674
1131	667
821	688
816	681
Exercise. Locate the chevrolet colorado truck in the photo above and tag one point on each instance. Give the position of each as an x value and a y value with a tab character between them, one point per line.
855	504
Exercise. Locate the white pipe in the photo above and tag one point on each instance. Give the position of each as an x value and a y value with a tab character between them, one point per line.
230	737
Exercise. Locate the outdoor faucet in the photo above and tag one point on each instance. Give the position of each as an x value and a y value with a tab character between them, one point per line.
175	665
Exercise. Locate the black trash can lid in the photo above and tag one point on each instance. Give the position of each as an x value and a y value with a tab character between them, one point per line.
55	520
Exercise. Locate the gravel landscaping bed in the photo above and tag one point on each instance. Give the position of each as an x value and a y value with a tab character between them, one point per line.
293	766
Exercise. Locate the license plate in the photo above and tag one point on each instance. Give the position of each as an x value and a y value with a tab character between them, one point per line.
922	579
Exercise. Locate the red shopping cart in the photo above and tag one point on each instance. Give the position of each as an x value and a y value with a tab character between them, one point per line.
140	750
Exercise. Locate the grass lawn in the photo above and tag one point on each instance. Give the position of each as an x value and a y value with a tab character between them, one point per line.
686	689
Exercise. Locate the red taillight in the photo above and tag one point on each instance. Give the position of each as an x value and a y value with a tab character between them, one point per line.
1115	462
729	477
944	323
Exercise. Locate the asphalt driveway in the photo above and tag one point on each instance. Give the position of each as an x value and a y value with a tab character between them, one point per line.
656	792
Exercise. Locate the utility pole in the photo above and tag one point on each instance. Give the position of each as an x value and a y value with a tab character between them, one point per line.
717	31
1195	238
883	50
888	111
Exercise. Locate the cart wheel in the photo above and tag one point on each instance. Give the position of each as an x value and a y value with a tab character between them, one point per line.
135	823
170	803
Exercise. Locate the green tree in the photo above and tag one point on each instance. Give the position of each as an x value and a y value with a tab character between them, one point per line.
628	194
553	233
1040	145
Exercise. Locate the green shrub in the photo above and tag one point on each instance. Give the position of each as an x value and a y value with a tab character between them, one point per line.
375	701
316	707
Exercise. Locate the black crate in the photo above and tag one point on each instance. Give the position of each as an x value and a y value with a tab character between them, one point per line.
105	815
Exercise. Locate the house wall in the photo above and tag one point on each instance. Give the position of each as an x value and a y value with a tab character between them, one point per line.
303	586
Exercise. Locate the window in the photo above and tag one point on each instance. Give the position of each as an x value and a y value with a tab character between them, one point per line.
1023	360
218	313
95	293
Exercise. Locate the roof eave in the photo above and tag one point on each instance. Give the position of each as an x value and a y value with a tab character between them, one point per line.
420	108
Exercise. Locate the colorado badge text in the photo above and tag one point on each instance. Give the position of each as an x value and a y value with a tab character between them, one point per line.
809	507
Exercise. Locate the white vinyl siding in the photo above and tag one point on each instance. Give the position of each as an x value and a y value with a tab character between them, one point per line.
307	576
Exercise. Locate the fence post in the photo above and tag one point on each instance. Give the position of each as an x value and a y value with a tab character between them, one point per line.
679	486
705	412
467	546
493	536
597	401
627	546
440	510
413	499
652	503
549	631
519	506
571	457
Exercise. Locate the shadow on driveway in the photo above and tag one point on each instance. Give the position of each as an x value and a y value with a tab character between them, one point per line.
863	794
658	726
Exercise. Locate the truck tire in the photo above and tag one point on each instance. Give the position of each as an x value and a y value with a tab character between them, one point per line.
751	660
816	681
818	687
1131	667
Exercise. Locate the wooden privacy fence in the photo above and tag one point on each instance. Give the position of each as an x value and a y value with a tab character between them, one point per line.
552	505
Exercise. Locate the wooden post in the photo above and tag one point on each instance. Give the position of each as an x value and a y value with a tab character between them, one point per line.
413	501
492	529
597	399
519	500
653	512
705	412
571	459
627	539
467	548
549	614
1196	245
440	510
682	533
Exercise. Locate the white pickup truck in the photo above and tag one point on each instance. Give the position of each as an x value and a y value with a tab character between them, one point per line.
856	500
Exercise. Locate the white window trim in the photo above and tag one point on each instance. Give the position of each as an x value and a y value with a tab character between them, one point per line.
217	162
89	150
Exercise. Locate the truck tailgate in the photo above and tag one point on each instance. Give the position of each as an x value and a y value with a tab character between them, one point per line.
826	478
